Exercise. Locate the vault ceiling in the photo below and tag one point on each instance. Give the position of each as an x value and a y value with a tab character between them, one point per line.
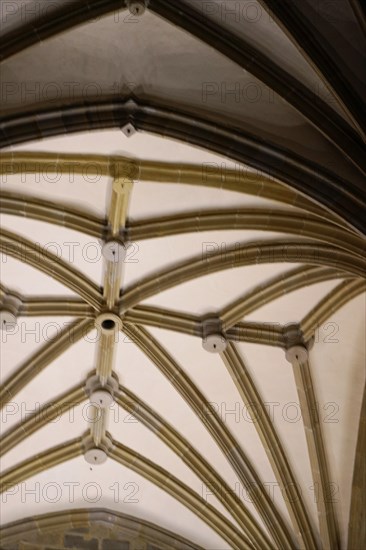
211	142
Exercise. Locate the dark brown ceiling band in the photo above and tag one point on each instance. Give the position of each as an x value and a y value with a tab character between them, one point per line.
343	198
246	56
360	13
74	13
312	44
310	105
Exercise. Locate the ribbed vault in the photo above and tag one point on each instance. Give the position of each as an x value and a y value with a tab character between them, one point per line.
232	213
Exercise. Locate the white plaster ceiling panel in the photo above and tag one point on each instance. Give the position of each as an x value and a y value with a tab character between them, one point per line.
81	252
157	199
62	374
117	489
63	428
274	379
144	379
338	366
28	280
25	338
214	292
154	255
212	378
132	433
87	191
139	438
292	307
